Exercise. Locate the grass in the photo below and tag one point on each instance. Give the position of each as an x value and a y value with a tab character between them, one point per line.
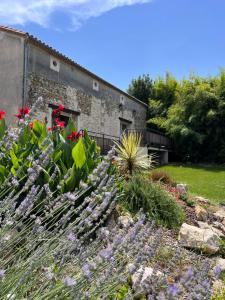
205	181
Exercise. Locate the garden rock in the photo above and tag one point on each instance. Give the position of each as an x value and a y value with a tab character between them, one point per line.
125	221
220	262
201	200
193	237
144	272
204	225
181	188
217	288
220	213
201	213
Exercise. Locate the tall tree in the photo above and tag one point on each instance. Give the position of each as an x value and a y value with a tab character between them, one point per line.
141	88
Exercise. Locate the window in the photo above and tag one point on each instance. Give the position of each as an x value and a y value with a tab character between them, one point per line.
54	64
95	85
64	116
122	100
124	125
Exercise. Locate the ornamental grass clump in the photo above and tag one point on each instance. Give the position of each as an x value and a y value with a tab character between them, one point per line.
154	200
130	155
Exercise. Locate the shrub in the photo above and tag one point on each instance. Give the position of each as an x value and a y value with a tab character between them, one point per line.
161	176
130	156
154	200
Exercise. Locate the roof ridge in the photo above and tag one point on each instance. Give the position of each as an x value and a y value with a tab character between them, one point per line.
53	51
13	30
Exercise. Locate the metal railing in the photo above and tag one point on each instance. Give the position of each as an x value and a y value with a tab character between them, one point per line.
153	138
104	141
150	138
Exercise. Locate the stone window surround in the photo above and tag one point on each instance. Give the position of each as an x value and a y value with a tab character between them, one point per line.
75	115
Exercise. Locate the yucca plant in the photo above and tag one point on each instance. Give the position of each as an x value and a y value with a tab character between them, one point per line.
130	156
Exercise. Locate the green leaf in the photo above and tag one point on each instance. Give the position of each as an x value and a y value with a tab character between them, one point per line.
2	172
13	171
2	128
57	155
78	154
14	159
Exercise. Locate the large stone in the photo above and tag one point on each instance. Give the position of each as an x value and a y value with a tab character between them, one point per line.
144	272
193	237
204	225
201	213
220	213
181	188
201	200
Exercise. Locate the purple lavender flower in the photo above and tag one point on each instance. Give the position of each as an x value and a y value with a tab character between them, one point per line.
68	281
71	237
217	271
87	272
2	273
106	253
172	290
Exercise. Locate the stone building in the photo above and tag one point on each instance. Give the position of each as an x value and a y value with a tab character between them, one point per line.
29	68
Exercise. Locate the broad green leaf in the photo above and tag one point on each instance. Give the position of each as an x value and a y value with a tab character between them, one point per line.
13	171
78	154
14	159
2	128
2	173
56	155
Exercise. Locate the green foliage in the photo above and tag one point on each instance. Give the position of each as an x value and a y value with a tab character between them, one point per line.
70	161
192	113
130	156
222	247
184	197
154	200
141	88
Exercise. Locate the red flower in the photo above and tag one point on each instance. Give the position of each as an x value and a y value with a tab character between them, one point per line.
22	112
50	129
56	112
2	114
31	125
73	136
61	107
59	123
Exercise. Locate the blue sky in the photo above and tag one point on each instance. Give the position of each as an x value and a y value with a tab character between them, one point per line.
121	39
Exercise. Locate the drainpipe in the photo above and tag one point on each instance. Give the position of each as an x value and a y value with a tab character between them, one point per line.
25	64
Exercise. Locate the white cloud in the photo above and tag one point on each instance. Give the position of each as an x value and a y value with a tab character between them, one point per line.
40	11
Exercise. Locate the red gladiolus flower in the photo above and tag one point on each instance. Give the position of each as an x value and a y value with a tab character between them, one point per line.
2	114
61	107
73	136
22	112
59	123
31	125
56	112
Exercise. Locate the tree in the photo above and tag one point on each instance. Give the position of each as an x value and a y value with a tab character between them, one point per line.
192	113
141	88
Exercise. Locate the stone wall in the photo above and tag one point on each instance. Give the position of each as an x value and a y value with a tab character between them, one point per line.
100	111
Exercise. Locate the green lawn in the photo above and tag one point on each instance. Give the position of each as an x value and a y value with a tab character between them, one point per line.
205	181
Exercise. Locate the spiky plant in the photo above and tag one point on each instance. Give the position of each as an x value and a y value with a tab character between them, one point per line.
131	156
